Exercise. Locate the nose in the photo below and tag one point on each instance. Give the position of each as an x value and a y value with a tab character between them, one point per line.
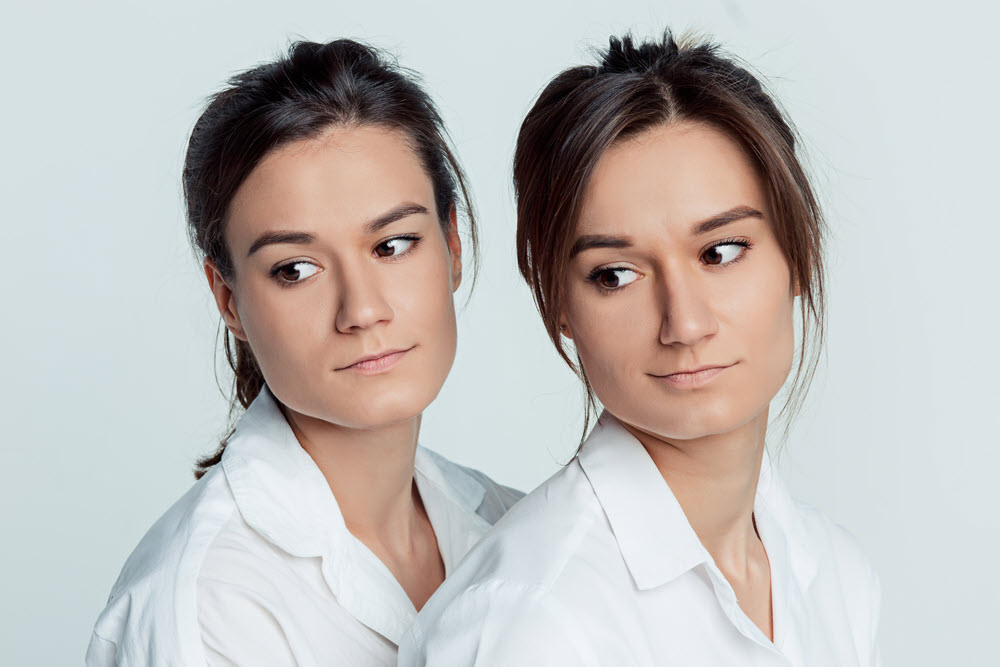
687	314
362	301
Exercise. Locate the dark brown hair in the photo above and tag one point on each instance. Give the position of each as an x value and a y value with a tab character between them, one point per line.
634	88
299	96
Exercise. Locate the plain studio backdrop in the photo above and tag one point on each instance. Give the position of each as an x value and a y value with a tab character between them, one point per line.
109	331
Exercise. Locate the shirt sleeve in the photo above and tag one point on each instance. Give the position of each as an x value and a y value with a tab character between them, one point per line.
237	628
100	652
499	625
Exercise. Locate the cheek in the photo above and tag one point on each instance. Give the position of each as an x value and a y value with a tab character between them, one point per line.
285	330
425	302
611	334
764	323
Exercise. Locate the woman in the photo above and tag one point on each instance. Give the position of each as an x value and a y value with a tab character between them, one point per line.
666	228
323	196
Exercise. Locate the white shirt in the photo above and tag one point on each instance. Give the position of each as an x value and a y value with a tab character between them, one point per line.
599	566
254	565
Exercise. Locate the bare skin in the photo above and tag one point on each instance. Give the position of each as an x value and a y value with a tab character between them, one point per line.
371	272
655	292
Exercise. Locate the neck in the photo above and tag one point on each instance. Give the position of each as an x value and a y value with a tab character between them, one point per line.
370	472
714	479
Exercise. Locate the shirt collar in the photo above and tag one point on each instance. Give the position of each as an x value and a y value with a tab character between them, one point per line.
655	538
782	527
282	494
278	488
451	496
653	534
454	481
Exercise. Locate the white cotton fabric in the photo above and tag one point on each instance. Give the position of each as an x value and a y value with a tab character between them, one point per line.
254	565
599	566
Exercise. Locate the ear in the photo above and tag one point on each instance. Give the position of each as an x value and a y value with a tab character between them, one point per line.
225	300
454	248
564	326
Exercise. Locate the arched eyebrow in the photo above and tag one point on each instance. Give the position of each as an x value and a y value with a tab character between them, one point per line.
269	238
591	241
371	227
724	218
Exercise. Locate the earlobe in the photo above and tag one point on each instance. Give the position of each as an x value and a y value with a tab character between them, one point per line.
225	300
565	330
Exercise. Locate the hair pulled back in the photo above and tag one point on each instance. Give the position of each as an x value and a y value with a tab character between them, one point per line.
299	96
635	87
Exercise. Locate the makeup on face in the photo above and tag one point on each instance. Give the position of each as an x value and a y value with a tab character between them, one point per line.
379	362
346	277
677	296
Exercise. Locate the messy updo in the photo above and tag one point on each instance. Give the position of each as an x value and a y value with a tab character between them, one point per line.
635	87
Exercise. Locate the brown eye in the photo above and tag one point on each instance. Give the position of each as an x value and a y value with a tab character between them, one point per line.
608	279
723	253
612	279
396	246
289	272
294	272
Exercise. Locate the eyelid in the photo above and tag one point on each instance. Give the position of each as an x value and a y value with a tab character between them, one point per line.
597	271
734	240
276	270
415	238
297	260
743	241
613	265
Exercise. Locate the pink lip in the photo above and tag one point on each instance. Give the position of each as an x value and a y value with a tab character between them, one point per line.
694	378
377	363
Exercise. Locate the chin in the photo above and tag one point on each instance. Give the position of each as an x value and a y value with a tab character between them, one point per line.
376	411
699	417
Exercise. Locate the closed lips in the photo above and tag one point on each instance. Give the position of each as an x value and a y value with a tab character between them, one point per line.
377	360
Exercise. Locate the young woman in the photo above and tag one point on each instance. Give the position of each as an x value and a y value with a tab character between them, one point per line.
667	229
323	196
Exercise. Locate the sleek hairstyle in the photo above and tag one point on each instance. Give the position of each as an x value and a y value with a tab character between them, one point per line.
634	88
300	96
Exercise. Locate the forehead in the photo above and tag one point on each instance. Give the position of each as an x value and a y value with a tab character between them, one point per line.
330	184
669	176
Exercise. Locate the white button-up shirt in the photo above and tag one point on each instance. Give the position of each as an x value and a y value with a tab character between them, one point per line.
599	566
254	565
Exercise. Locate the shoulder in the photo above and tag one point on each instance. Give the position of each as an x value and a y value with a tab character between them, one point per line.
499	623
245	597
841	549
150	614
521	577
497	498
534	543
845	572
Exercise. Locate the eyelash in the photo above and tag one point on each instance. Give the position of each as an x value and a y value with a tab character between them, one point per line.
740	241
595	274
416	238
281	281
406	237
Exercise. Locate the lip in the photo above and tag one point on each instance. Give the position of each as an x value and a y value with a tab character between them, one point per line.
694	378
380	362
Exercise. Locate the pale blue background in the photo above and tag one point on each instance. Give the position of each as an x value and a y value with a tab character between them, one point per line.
108	331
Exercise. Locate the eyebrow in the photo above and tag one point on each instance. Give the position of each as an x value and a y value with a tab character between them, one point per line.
591	241
304	238
724	218
398	213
